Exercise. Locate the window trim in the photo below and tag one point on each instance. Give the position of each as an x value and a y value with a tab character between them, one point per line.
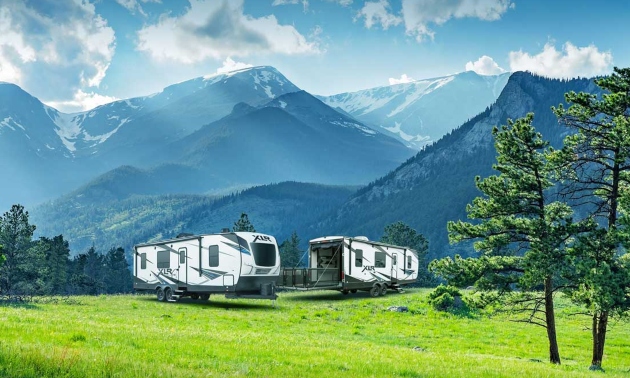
358	258
210	256
380	257
160	262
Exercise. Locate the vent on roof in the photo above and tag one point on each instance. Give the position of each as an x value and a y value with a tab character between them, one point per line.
363	238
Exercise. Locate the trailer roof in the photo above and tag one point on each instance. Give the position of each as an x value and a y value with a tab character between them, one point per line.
193	237
362	239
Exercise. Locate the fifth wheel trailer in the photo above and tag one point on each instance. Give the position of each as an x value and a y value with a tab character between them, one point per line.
237	264
349	264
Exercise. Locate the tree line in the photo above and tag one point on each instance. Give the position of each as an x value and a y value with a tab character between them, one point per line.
555	220
44	266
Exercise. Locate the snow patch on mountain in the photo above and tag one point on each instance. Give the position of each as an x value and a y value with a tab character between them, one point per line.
408	138
7	123
363	129
68	128
103	137
417	90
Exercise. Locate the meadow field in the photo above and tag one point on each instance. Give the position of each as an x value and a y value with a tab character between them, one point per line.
315	334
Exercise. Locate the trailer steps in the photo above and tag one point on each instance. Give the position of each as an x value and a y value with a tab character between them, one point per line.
177	294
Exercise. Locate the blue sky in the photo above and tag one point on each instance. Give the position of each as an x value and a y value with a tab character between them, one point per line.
76	54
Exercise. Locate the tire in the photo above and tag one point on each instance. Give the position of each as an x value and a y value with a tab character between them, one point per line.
375	290
194	295
353	291
204	297
168	294
345	292
384	290
160	294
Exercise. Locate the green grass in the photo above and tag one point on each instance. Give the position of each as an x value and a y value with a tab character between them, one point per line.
319	334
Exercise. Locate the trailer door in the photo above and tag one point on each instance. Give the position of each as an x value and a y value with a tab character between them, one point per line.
182	269
395	257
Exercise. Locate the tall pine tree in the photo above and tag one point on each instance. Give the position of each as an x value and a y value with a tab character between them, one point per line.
520	232
290	253
596	164
16	235
118	275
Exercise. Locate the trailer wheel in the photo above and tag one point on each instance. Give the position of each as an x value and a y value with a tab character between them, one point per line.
168	294
204	297
375	290
353	291
345	292
384	290
194	295
160	294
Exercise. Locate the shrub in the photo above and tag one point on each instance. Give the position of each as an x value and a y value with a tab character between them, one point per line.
443	298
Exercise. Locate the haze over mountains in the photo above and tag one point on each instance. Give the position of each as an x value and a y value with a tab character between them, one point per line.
236	135
421	112
141	168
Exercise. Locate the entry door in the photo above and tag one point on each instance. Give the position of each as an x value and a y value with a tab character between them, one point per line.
182	270
396	257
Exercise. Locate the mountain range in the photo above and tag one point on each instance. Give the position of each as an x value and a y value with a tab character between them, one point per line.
420	112
245	127
147	167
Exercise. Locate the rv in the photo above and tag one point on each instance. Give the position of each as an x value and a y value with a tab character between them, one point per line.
237	264
350	264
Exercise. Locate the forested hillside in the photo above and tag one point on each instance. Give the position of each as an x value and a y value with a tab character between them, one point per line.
434	186
277	209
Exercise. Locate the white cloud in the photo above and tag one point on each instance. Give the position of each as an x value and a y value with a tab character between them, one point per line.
418	15
403	79
217	29
231	65
572	61
53	48
132	6
81	101
485	66
378	12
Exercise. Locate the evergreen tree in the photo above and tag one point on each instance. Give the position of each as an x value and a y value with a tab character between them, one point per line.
94	269
243	224
520	232
401	234
57	254
596	164
16	234
290	253
118	275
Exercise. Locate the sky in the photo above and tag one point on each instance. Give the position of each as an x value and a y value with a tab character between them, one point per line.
78	54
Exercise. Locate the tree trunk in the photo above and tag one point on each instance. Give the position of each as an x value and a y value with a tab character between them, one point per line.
600	323
550	318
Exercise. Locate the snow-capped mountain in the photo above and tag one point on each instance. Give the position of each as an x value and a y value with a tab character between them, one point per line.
48	153
421	112
177	111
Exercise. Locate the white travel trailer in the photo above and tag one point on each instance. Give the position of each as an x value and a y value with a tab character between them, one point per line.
349	264
237	264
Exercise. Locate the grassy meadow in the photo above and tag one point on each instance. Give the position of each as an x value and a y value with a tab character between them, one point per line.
315	334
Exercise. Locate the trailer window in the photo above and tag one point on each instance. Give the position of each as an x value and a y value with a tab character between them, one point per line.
182	255
143	261
379	259
264	254
358	258
163	260
213	256
408	262
394	259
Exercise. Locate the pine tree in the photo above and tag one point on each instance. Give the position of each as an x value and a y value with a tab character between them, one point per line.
118	275
520	232
290	253
16	234
243	224
57	254
596	163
